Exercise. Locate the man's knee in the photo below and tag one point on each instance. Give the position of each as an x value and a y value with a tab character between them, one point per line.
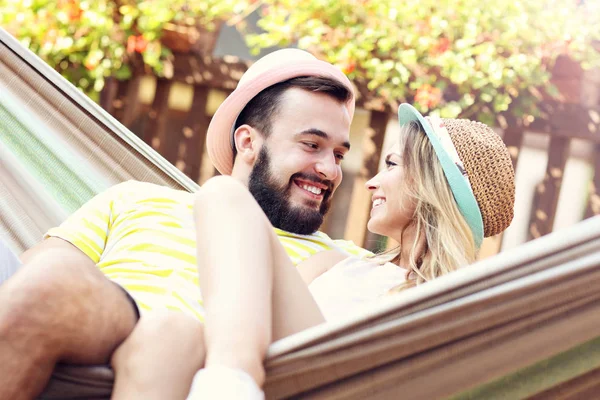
60	304
34	293
37	285
32	304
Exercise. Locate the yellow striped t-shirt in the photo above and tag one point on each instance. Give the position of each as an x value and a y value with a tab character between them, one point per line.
142	237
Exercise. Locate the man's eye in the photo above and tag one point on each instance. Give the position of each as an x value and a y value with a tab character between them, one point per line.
339	156
311	145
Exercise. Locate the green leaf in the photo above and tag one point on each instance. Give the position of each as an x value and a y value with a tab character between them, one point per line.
123	73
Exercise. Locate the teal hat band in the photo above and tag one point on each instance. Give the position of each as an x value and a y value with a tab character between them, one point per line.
451	165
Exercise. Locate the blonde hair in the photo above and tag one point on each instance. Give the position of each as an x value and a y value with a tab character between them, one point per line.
449	242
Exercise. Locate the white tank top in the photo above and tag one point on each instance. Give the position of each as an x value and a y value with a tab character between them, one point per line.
354	284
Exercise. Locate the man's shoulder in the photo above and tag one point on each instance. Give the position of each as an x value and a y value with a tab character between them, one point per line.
138	190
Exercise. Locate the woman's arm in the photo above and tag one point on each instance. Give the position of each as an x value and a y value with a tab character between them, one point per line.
319	263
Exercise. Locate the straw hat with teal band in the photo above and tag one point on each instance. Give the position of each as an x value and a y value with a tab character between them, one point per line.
477	166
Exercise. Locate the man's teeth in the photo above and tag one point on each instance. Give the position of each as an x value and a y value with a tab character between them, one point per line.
378	202
312	189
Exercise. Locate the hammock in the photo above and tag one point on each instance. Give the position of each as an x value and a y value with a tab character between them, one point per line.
58	148
523	324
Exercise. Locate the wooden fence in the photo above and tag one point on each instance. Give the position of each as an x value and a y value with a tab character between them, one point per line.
179	134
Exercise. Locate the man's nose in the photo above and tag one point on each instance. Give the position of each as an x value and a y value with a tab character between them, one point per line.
328	168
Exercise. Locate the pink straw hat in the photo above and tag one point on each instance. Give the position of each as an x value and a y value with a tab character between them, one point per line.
273	68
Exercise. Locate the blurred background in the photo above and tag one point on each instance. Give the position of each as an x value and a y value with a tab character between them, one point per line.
530	69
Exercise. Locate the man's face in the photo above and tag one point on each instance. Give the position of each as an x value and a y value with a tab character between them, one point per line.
299	166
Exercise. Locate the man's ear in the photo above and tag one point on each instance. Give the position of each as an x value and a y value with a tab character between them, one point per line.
248	143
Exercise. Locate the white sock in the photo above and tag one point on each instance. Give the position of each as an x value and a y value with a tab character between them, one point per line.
220	382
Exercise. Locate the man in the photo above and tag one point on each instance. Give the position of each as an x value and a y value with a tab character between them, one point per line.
282	132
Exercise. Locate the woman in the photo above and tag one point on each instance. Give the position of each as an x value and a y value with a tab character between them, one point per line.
446	185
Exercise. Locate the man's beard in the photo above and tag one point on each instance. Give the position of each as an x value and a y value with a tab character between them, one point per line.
274	198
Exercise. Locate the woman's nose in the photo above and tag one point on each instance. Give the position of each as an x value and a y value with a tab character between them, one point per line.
372	184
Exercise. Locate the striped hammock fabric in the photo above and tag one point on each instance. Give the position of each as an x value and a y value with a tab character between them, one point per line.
58	149
523	324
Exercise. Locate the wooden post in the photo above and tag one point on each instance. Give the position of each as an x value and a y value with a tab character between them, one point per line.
121	99
513	139
360	206
131	101
109	94
547	192
114	98
156	132
593	206
194	134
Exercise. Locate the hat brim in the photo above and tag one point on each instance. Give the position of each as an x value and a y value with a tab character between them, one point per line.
465	199
218	140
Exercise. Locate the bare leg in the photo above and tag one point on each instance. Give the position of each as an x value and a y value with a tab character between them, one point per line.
252	292
57	307
252	295
159	359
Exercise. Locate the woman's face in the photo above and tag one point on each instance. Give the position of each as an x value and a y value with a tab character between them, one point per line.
392	209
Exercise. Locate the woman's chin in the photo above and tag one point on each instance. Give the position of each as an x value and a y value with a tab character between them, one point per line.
373	227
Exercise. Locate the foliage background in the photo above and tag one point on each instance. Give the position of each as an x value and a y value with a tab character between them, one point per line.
87	41
456	57
461	57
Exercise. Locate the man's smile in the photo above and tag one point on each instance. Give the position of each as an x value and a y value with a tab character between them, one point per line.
312	190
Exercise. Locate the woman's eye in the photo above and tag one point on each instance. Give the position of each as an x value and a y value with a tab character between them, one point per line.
390	164
311	145
339	156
